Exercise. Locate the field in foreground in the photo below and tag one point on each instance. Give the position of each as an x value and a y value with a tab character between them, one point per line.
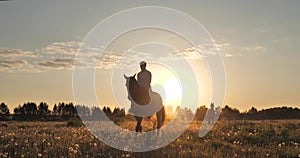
280	138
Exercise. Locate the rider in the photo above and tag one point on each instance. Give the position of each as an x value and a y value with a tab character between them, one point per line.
144	77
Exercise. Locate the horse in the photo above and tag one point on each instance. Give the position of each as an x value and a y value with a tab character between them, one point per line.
138	97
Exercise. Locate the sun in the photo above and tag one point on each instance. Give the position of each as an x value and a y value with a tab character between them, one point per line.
167	84
169	88
173	91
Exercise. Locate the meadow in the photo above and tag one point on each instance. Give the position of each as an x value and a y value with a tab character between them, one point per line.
270	138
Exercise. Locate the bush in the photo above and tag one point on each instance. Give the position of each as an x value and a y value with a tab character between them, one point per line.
74	123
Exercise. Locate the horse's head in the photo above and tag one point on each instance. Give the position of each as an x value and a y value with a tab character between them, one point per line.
130	81
135	91
131	84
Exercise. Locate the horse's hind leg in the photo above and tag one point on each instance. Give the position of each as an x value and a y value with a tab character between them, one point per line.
160	115
138	127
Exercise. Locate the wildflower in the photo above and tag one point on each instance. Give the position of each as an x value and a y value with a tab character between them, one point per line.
75	151
70	149
39	155
235	155
5	154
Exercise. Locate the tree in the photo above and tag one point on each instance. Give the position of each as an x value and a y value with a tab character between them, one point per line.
107	111
61	107
30	108
201	112
253	110
230	114
4	109
70	110
19	110
117	112
183	114
43	109
82	110
96	113
55	110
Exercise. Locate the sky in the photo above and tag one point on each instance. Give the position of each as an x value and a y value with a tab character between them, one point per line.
258	40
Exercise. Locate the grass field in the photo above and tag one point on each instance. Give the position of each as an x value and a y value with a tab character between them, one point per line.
227	139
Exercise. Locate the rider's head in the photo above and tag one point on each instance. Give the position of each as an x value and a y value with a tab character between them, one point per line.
143	65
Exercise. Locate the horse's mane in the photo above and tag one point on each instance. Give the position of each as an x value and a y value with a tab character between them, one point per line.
138	93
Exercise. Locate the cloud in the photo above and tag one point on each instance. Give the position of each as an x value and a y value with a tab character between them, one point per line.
58	55
259	48
228	55
189	53
12	60
132	58
16	65
62	63
193	53
109	61
236	51
63	48
61	55
12	63
14	53
90	58
64	55
251	50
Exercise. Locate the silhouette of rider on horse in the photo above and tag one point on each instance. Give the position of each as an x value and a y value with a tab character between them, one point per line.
144	80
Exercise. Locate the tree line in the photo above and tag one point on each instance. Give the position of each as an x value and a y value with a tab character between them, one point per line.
228	113
31	111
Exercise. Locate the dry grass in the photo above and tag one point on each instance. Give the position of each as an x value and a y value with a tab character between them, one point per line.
227	139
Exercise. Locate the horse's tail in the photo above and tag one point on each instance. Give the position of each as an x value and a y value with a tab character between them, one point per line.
161	114
161	117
